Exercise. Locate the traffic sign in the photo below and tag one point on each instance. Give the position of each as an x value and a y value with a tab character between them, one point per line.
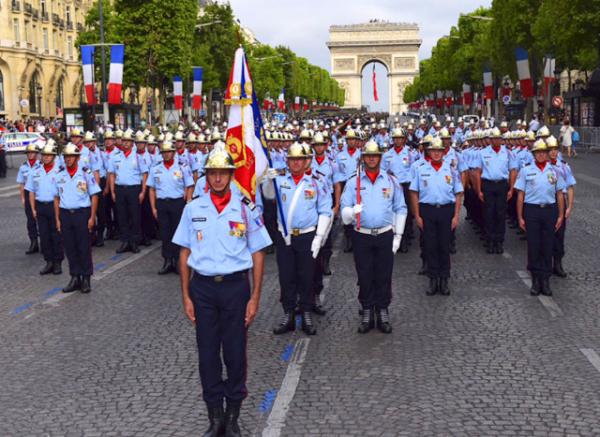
557	101
506	100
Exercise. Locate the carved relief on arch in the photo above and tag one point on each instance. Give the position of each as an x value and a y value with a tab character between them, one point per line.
365	59
344	64
345	85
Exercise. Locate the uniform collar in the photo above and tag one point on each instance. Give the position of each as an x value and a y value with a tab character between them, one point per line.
363	174
204	201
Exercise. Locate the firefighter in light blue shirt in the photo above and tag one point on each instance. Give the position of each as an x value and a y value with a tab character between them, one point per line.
436	195
97	164
347	161
307	211
41	187
75	204
170	186
31	151
540	207
373	203
221	237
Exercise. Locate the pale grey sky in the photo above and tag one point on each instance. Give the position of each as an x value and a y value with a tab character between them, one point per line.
303	25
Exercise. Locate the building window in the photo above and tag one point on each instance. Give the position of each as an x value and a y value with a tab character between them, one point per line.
43	6
26	30
35	94
59	95
45	38
54	41
70	47
16	29
68	14
1	92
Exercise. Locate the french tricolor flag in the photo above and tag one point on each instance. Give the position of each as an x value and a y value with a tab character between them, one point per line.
87	61
488	84
178	92
115	81
467	94
523	71
197	91
305	105
281	100
549	67
297	104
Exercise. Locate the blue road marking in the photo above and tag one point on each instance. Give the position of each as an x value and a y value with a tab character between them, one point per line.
287	353
267	401
22	308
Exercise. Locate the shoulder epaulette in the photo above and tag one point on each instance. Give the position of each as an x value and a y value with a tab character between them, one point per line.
195	197
527	165
249	203
87	170
61	168
352	175
319	172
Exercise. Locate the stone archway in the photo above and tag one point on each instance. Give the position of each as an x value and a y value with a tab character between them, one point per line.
396	45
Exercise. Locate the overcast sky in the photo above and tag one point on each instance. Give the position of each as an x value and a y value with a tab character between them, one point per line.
304	25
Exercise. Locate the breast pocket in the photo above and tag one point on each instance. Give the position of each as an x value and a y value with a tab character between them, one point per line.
199	230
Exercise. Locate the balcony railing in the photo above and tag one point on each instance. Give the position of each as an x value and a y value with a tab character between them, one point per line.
61	24
55	19
69	25
35	14
28	8
16	6
45	17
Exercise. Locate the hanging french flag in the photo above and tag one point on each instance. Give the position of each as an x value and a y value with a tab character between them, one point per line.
178	92
488	84
549	67
375	95
266	104
449	99
523	71
297	103
440	98
197	88
115	81
467	94
305	105
87	62
281	100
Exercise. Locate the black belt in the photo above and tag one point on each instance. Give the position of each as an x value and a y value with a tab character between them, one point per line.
236	276
51	202
129	186
74	210
500	181
170	200
541	205
437	205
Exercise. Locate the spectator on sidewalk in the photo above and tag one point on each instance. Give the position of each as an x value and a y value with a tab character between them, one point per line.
566	137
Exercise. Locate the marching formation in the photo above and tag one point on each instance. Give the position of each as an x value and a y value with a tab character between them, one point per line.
384	184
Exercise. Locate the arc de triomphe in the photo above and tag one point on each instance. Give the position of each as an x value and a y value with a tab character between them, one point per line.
395	45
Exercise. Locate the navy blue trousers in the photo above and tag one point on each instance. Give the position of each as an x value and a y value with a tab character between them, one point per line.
77	241
220	315
540	224
437	234
50	241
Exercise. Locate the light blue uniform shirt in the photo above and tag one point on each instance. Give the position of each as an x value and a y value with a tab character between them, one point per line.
155	158
128	170
380	200
196	161
347	164
564	170
87	159
524	157
98	162
223	243
540	187
170	183
398	164
278	159
42	183
313	201
436	187
327	170
382	140
496	166
74	192
24	171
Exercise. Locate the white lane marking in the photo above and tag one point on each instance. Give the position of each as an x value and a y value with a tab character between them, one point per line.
104	273
10	187
16	193
276	420
592	357
549	303
507	255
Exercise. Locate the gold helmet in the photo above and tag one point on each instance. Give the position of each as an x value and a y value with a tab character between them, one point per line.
539	146
305	135
215	135
371	148
350	133
167	146
552	142
192	138
151	139
530	136
307	150
543	132
179	136
296	150
128	135
435	144
495	133
49	148
119	133
75	132
31	148
71	150
444	133
140	137
319	138
427	139
89	137
109	134
219	158
398	133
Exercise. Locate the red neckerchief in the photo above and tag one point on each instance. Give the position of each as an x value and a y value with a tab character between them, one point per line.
48	167
180	151
297	178
220	202
351	151
31	162
169	163
72	171
140	152
436	165
553	161
398	149
496	149
427	158
127	153
110	149
372	175
308	172
541	165
193	151
320	159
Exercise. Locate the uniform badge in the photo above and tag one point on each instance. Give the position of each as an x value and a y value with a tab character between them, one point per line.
199	235
309	194
552	178
425	183
387	192
177	174
283	197
237	229
405	162
81	186
448	179
157	180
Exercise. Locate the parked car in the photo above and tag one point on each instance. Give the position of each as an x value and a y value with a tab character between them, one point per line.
15	142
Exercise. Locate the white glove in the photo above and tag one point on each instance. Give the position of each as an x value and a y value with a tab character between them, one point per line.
396	243
319	239
347	215
356	209
316	245
272	173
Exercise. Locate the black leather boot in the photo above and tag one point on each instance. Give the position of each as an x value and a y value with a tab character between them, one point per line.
433	286
491	247
74	284
423	270
307	324
123	248
33	246
56	268
318	308
444	290
404	244
499	248
367	323
287	324
383	321
99	239
326	267
86	286
545	288
453	247
175	265
47	268
558	268
167	267
232	413
135	248
535	285
347	244
216	417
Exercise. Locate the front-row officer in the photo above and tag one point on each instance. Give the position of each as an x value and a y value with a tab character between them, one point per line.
75	204
222	236
41	187
540	209
436	196
170	184
378	211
